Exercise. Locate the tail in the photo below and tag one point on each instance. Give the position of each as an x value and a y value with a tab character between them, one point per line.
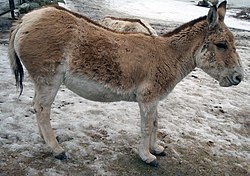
15	62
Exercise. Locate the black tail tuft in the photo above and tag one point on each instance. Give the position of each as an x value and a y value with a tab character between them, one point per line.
19	74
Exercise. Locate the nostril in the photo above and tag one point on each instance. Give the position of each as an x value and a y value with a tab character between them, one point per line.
237	78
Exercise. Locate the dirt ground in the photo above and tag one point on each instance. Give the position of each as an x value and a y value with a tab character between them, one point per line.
97	153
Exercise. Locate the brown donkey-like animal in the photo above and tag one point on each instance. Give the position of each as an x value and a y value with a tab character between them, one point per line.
58	46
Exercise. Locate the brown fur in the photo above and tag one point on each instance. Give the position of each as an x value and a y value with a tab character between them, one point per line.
58	46
184	26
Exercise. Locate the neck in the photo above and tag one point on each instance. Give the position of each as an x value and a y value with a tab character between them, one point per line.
186	42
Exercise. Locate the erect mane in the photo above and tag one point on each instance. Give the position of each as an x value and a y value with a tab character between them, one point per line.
184	26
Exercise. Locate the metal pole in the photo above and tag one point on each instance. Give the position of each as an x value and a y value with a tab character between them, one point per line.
12	7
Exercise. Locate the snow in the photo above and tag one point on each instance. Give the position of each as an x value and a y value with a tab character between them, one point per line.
197	112
64	5
171	10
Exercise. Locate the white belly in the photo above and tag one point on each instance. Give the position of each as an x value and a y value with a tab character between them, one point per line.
91	90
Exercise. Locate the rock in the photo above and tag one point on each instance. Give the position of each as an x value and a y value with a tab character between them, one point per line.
31	5
203	3
207	3
24	8
34	5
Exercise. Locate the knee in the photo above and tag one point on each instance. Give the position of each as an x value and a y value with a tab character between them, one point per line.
37	108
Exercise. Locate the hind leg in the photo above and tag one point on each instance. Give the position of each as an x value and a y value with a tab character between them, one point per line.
39	129
44	96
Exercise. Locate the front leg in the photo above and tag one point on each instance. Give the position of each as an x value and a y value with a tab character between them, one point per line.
154	147
148	112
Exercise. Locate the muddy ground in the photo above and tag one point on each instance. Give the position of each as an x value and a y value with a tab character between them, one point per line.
100	152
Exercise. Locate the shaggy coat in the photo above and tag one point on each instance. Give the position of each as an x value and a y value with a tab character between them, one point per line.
58	46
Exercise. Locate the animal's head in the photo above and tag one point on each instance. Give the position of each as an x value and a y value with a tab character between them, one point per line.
219	57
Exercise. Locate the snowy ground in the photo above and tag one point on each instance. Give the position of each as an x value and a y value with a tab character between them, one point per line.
204	128
172	10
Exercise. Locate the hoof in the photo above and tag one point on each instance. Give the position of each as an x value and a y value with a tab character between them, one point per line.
153	163
163	153
61	156
58	139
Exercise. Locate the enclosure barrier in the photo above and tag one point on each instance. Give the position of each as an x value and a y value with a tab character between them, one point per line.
12	8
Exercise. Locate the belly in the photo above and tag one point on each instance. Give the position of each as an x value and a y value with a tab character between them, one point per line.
94	91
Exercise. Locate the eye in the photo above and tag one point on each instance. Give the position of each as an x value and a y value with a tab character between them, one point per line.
222	45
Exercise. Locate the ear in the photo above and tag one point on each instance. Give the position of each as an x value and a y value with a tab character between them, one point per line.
212	17
222	10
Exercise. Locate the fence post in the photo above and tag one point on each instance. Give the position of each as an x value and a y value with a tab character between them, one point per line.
12	7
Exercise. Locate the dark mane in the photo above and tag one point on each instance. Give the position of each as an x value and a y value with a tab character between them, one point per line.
89	20
191	23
